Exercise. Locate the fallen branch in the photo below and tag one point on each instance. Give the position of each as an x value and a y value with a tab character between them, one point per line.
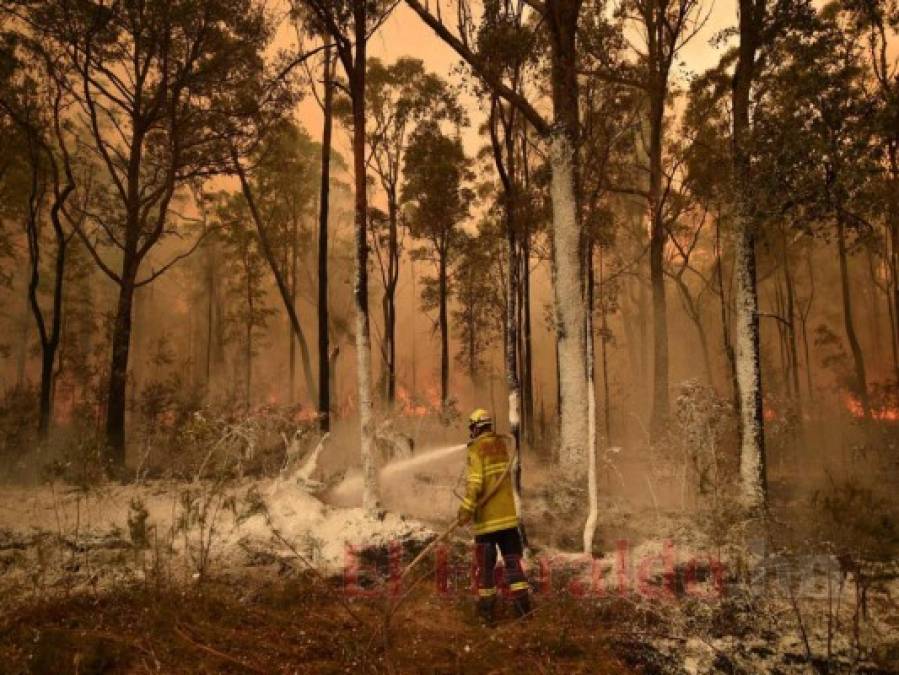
214	652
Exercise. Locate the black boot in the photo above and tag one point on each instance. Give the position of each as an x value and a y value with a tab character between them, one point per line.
486	607
522	605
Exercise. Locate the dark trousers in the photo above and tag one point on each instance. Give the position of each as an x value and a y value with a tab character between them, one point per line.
508	542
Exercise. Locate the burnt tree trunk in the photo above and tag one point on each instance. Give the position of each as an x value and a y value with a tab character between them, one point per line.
324	379
248	344
790	311
894	243
393	256
443	322
292	356
118	371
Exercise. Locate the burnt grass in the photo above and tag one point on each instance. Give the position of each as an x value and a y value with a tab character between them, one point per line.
297	625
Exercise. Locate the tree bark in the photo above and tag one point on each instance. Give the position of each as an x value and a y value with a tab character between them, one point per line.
791	319
370	497
753	473
604	329
393	256
210	306
592	482
324	379
527	370
894	242
567	253
292	356
443	322
248	344
118	371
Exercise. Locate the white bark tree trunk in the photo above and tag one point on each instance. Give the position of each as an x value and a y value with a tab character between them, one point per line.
748	362
569	308
370	495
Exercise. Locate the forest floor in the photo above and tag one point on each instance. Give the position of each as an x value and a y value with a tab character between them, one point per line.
294	625
254	575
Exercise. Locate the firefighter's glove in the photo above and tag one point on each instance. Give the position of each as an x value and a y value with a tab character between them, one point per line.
464	516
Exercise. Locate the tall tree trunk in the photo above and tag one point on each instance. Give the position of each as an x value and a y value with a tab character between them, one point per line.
324	379
511	344
781	336
567	253
443	321
210	313
292	355
49	339
658	238
283	290
370	497
118	371
891	313
527	370
592	481
413	391
791	319
854	346
393	256
604	332
753	473
50	342
748	361
248	344
804	315
894	242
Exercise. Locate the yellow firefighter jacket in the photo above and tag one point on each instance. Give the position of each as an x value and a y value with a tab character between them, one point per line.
487	461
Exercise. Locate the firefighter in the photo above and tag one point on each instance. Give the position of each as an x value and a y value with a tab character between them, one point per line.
495	523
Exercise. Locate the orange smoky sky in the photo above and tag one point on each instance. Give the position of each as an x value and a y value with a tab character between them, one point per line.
404	34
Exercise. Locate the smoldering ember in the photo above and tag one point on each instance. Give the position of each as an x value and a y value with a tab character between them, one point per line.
449	336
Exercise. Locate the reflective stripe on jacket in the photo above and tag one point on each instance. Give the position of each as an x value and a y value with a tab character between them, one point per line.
487	461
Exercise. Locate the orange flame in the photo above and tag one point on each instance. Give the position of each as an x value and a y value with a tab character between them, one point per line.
884	414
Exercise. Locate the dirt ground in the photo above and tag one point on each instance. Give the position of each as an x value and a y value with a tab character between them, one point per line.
180	576
293	624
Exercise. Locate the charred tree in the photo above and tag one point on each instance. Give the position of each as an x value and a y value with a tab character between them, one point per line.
324	379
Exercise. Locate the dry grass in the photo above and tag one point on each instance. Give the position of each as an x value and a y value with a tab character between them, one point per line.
293	625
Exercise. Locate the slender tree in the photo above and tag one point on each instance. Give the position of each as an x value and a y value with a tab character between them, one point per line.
558	19
158	86
349	24
753	475
37	110
398	97
438	199
665	26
